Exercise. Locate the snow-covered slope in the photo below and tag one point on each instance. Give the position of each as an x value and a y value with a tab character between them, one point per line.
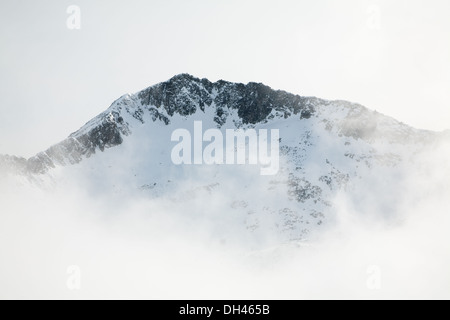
326	148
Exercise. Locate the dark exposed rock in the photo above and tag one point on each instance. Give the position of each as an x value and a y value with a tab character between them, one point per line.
302	190
254	102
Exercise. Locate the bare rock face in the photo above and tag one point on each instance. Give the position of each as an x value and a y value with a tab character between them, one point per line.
183	94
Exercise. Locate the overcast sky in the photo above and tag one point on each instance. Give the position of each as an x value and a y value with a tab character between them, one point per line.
392	56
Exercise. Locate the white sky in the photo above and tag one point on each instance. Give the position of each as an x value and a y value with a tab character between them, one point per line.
392	56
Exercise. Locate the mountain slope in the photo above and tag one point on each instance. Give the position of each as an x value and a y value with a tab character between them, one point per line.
184	95
326	148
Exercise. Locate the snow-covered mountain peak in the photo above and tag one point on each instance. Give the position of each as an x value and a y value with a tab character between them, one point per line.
234	104
325	147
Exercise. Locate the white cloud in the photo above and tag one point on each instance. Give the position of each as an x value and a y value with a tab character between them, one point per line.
134	247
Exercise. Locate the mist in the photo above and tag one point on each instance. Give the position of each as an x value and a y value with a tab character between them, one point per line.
68	243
